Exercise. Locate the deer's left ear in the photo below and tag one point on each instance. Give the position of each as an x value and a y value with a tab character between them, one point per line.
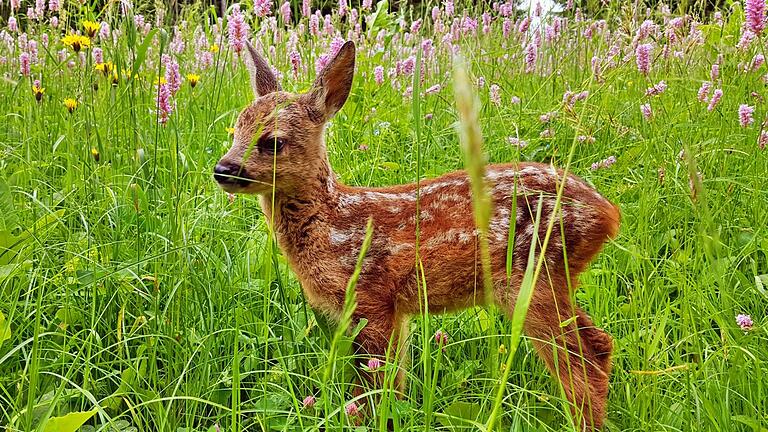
263	81
332	86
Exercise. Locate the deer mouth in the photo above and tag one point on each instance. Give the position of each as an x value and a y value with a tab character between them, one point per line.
229	175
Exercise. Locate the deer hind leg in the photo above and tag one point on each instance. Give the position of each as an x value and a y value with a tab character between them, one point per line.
577	353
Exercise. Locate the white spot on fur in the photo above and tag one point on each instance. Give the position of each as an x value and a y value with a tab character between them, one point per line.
340	237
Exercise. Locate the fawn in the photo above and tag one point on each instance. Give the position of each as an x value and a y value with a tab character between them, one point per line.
279	153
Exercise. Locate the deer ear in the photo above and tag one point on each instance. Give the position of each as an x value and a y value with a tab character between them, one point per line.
332	86
263	81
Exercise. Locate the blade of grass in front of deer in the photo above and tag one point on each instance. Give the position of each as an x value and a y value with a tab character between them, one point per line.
345	319
471	141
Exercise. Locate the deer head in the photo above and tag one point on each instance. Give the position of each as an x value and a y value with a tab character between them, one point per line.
278	139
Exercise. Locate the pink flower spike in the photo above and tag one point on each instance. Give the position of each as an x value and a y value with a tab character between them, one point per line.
703	93
432	90
441	338
745	115
647	112
643	58
754	11
716	95
763	140
378	74
495	94
237	29
745	322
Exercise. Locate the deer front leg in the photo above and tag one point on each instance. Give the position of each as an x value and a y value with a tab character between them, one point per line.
578	353
382	339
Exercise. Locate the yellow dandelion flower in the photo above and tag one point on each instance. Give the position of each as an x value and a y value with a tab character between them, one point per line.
95	153
76	42
115	78
106	68
71	104
91	27
38	92
193	79
159	80
214	48
230	130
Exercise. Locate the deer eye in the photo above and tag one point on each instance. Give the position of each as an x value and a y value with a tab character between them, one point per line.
271	145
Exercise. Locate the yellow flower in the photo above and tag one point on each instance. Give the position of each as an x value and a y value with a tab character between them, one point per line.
502	349
115	78
193	79
76	42
95	153
231	130
91	27
214	48
71	104
159	80
38	92
105	67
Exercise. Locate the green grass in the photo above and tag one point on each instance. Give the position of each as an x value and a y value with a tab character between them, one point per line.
134	287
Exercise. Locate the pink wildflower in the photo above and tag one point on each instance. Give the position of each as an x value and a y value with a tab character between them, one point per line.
306	8
24	63
645	109
530	57
754	11
367	4
104	31
374	364
295	62
517	142
441	338
763	140
262	8
605	163
54	5
285	13
758	61
448	8
432	90
13	26
163	103
703	93
746	39
714	73
745	322
643	58
308	402
745	115
237	29
352	409
657	89
378	74
321	62
98	55
495	94
716	95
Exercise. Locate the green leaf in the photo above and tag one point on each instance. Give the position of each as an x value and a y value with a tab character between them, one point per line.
5	329
7	213
141	53
459	413
380	17
70	422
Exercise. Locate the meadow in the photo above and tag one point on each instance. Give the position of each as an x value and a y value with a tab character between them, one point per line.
135	295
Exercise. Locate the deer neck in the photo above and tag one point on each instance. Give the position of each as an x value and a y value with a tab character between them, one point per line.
296	216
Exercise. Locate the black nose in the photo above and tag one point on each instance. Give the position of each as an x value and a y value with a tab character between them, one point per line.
230	173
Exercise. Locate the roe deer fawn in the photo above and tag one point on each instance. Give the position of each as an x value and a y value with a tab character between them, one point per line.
279	153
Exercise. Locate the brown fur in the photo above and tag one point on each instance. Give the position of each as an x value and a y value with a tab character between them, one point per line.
320	226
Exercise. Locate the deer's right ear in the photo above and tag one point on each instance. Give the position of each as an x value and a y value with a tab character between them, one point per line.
263	81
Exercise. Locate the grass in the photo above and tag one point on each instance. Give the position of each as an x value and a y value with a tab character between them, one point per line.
134	287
